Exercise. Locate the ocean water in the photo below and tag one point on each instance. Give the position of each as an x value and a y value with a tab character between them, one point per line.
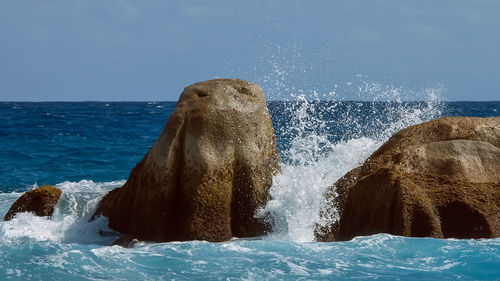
89	148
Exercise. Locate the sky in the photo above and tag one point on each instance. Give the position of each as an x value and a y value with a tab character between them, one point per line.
124	50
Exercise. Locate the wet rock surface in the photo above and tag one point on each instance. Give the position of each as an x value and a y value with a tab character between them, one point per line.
127	242
436	179
40	201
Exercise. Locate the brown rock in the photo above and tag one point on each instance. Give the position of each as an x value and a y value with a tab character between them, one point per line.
126	242
40	201
437	179
206	174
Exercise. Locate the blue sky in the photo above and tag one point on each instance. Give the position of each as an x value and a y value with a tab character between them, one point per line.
125	50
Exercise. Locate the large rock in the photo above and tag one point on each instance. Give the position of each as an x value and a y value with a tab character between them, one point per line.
40	201
206	174
436	179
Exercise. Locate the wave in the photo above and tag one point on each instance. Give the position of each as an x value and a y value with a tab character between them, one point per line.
70	221
317	157
379	256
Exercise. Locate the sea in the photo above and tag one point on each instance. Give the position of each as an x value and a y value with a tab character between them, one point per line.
88	148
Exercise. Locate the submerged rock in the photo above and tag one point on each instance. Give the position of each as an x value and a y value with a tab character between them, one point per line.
126	242
206	174
40	201
436	179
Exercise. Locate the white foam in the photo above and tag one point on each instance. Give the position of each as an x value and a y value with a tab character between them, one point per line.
233	246
70	221
314	162
296	192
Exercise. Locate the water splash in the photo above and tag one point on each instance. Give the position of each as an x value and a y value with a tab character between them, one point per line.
70	221
326	140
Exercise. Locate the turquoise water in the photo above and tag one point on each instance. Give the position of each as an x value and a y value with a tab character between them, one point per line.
87	149
381	256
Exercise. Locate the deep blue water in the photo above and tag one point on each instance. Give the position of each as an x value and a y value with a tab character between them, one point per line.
89	148
52	142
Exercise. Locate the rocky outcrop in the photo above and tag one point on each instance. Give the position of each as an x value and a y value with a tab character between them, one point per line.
436	179
39	201
206	174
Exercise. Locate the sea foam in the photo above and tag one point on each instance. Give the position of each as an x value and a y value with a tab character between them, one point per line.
70	221
316	159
